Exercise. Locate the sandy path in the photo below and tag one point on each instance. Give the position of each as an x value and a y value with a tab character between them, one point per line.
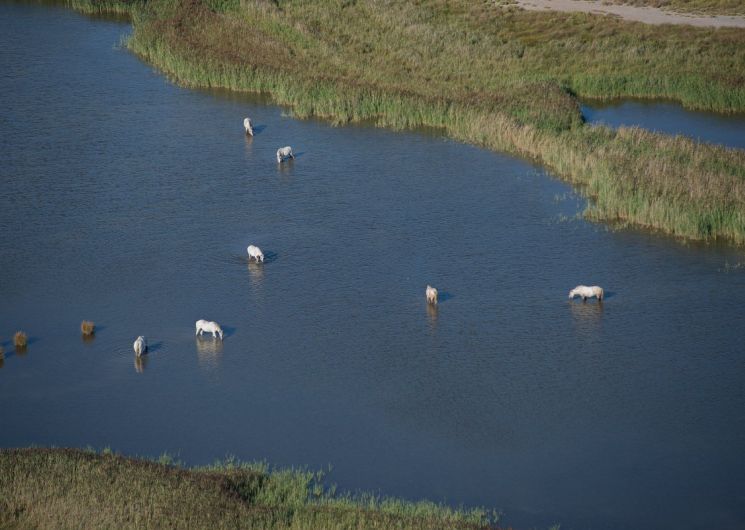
648	15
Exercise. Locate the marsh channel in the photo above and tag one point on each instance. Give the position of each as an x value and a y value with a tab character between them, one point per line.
129	201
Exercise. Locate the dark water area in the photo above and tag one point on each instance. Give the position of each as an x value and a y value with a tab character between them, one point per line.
669	118
130	202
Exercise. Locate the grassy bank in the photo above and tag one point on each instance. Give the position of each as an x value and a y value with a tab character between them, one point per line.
490	75
64	488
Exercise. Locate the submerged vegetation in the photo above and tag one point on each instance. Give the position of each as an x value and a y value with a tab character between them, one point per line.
487	74
65	488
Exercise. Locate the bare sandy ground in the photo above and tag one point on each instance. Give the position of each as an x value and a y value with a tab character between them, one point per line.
647	15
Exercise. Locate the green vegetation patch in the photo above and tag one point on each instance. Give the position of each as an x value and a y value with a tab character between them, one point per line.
65	488
486	74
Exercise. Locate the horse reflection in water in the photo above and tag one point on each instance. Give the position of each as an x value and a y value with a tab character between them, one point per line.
209	351
432	311
140	363
256	272
588	318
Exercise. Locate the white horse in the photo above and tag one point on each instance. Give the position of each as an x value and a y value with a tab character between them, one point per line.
209	327
255	253
431	293
587	292
284	152
248	127
140	346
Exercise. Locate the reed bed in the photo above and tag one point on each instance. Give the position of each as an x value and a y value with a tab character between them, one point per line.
65	488
486	74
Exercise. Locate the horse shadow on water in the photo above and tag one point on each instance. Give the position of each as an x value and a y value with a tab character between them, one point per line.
444	296
269	257
155	347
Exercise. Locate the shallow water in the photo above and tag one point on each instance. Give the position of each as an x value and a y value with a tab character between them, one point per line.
129	201
669	118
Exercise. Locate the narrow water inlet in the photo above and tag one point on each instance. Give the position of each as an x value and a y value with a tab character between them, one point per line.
669	118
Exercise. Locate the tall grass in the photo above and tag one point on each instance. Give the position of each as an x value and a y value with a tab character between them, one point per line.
488	75
97	7
63	488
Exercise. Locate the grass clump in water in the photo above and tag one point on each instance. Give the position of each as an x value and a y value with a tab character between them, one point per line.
20	340
65	488
87	328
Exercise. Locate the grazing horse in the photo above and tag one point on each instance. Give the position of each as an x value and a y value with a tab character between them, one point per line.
255	253
284	152
587	292
140	346
431	293
248	127
209	327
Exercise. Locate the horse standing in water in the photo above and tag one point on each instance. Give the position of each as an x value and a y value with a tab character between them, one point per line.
431	293
140	346
284	153
255	253
209	327
587	292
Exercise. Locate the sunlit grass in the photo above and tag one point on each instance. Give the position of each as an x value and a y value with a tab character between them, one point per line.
493	76
63	488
